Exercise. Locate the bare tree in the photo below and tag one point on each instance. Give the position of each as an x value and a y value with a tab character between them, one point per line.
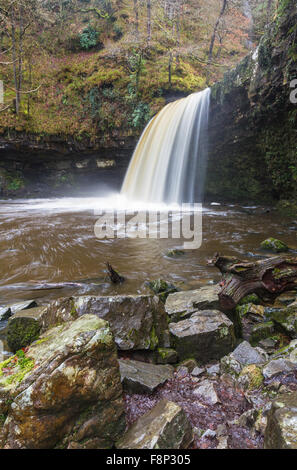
16	17
136	13
214	34
149	20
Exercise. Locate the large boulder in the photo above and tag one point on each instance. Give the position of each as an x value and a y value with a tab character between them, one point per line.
181	305
207	335
166	426
281	430
138	322
65	391
141	377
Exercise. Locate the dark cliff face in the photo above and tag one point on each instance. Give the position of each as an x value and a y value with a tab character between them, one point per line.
29	168
252	141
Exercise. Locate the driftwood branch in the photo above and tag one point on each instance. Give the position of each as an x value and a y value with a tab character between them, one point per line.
113	275
5	108
268	278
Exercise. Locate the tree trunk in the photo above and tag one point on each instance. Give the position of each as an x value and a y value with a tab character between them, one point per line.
269	8
136	19
213	38
14	60
170	69
268	278
149	21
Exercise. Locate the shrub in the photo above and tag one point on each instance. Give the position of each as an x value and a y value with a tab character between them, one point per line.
140	115
89	38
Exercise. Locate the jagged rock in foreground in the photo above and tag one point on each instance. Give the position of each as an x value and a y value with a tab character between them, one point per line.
140	377
281	430
166	426
207	335
138	322
65	391
181	305
206	392
243	355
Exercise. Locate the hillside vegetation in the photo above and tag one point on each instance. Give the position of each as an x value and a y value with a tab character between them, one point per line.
97	70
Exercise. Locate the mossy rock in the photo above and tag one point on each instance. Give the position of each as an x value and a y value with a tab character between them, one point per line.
22	333
262	331
162	288
286	320
250	309
166	356
251	377
24	327
275	245
250	299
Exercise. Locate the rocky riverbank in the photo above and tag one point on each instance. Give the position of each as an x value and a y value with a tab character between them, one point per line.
84	369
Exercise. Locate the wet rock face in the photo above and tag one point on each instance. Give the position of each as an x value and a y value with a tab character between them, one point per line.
181	305
281	430
138	322
207	335
66	392
166	426
140	377
252	138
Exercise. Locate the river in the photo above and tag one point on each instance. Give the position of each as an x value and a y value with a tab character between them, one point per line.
48	248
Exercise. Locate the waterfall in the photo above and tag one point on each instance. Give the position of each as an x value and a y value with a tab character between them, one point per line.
169	162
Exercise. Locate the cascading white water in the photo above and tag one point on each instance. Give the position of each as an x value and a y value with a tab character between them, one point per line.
169	162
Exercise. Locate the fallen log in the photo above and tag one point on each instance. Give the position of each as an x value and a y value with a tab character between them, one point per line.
268	278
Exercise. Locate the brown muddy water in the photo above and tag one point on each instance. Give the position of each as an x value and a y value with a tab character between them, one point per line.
48	248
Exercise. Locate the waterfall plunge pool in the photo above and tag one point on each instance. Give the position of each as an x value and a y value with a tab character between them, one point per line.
49	249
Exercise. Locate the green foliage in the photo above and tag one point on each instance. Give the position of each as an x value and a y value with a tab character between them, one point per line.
14	183
118	32
89	38
93	102
264	54
16	368
140	115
